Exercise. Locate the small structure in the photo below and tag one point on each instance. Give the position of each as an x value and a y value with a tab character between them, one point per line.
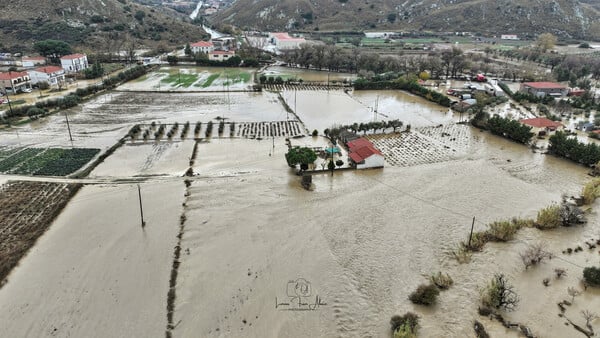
14	82
364	155
509	37
33	61
53	75
202	47
74	63
585	126
539	124
541	89
284	41
221	55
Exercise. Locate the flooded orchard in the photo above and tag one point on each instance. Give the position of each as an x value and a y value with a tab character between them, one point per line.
239	236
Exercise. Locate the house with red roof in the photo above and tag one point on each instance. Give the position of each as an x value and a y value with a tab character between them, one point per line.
14	82
285	41
202	47
363	154
221	55
542	124
33	61
541	89
74	63
53	75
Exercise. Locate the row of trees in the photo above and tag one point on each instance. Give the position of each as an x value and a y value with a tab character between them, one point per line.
569	147
509	128
334	132
408	83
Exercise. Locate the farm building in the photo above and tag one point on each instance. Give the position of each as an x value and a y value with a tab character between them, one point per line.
364	155
542	124
285	41
541	89
202	47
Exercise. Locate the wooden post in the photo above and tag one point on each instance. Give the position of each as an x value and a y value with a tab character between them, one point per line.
141	209
471	235
69	128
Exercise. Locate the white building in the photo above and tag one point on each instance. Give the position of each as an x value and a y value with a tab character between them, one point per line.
220	55
74	63
284	41
33	61
202	47
509	37
364	155
53	75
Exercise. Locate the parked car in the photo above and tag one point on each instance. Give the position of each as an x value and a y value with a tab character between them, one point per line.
26	90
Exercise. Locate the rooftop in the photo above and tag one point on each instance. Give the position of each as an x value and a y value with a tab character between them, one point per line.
49	69
544	85
541	122
12	75
202	44
72	56
285	36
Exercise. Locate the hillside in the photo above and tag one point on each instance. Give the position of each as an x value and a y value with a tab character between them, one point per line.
99	25
565	18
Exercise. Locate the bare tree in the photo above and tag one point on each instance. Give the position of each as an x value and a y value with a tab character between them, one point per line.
534	254
573	293
589	317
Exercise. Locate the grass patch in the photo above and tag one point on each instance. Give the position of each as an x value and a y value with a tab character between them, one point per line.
179	79
591	191
209	81
44	162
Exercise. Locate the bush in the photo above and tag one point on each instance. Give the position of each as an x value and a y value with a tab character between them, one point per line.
498	294
425	294
315	133
591	275
591	191
442	281
405	326
534	255
43	85
502	231
549	217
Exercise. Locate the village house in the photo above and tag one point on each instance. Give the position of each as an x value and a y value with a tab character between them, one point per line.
541	89
74	63
15	82
202	47
364	155
509	37
33	61
53	75
284	41
541	125
220	55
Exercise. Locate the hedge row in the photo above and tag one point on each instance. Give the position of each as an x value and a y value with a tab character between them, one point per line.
569	147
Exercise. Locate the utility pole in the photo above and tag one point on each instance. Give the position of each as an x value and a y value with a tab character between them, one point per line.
69	128
141	209
471	235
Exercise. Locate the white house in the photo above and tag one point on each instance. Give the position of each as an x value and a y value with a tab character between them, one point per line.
33	61
285	41
53	75
509	37
221	55
14	82
202	47
364	155
74	63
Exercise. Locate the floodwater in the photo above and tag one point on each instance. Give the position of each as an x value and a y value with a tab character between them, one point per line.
254	243
308	75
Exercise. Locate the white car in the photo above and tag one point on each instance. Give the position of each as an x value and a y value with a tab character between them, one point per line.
26	90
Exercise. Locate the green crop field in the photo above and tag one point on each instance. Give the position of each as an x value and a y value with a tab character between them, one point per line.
183	80
46	162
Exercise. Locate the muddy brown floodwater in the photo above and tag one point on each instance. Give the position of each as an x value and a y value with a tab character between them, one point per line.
262	257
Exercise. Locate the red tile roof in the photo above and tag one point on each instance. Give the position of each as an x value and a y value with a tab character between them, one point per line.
541	122
361	149
72	56
285	36
544	85
12	75
202	44
48	69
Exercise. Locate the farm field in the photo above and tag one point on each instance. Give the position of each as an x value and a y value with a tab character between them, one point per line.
28	209
193	79
44	161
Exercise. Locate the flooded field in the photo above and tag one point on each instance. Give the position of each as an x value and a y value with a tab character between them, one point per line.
240	237
307	75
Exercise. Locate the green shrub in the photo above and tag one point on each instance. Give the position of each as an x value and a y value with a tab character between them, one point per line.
498	294
591	191
502	231
425	294
549	217
591	275
405	326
